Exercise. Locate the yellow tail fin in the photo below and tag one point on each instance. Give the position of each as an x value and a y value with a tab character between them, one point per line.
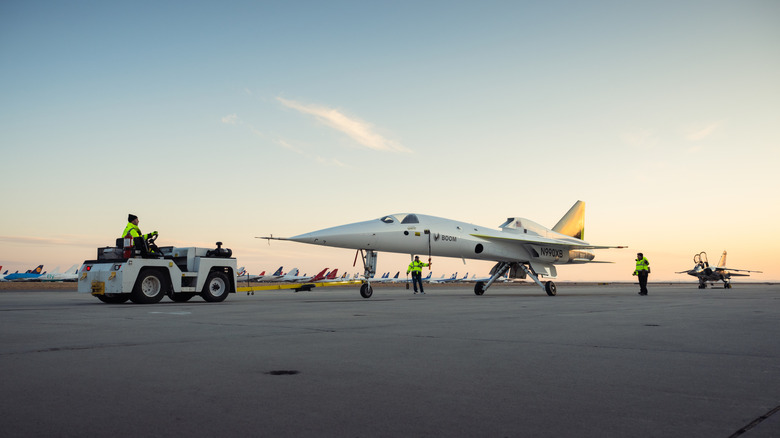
573	222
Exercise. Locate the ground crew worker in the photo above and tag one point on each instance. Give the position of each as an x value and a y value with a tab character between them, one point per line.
642	270
132	231
416	269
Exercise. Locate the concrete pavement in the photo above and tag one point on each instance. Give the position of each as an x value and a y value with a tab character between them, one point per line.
596	360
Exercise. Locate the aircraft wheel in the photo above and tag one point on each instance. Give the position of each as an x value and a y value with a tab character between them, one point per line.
550	288
216	288
727	286
149	288
702	286
366	290
479	288
113	298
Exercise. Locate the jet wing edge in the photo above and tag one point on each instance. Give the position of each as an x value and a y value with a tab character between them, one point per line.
544	240
582	261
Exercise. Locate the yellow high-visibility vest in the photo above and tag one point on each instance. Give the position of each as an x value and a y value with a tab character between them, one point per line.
416	266
132	229
642	265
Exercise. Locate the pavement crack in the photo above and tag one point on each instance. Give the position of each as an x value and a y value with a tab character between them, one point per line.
755	422
70	348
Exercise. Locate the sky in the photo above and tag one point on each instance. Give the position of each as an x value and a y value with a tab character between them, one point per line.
223	121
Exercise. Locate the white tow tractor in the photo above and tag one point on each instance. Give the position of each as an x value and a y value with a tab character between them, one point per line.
144	273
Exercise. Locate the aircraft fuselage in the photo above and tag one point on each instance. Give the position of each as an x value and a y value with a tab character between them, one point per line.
520	247
422	234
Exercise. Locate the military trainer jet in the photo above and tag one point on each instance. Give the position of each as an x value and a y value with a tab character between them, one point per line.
705	273
521	247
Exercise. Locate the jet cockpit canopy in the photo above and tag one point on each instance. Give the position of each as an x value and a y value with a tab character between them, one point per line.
523	225
402	218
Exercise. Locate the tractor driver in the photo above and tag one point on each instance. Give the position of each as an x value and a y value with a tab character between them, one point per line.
132	231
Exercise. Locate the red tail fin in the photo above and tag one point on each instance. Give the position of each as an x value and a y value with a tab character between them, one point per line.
319	276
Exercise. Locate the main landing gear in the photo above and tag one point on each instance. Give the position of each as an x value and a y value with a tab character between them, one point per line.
548	286
369	269
726	283
501	268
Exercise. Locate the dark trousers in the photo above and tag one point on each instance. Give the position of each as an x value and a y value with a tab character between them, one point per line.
417	279
642	281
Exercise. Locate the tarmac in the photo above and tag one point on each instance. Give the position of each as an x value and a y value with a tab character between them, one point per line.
594	361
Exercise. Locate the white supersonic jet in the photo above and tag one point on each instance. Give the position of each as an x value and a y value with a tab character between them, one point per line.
521	247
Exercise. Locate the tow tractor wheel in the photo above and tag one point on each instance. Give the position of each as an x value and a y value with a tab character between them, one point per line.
149	288
550	288
216	287
479	288
113	298
366	290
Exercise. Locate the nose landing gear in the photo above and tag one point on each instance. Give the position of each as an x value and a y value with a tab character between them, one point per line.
369	269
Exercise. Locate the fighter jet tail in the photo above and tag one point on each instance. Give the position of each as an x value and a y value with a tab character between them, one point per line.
722	262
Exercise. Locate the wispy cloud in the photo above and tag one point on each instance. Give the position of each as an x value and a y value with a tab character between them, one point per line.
702	133
230	119
359	130
234	120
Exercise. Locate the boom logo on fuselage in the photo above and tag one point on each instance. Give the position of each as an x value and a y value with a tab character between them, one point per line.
444	238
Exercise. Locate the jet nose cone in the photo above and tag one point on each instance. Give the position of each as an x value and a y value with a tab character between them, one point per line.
314	237
357	235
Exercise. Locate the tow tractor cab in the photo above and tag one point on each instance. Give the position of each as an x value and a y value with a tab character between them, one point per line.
145	273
